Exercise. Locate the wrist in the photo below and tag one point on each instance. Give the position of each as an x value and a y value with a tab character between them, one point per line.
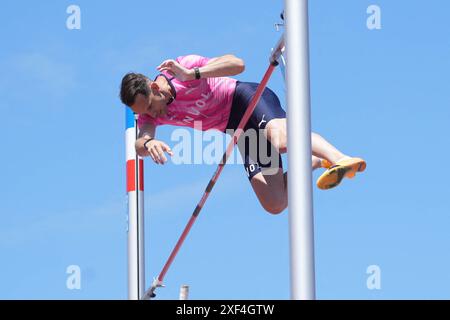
147	141
196	72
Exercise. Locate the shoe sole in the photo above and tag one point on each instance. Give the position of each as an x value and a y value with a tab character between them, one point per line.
334	175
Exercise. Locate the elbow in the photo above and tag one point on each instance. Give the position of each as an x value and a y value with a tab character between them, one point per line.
240	64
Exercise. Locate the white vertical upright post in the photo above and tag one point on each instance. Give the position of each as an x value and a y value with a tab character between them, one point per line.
301	224
135	193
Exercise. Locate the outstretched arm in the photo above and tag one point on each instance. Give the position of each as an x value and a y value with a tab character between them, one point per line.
224	66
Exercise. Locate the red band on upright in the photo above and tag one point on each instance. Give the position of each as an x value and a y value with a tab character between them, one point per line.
131	178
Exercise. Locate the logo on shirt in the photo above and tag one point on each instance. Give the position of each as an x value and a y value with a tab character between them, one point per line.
198	107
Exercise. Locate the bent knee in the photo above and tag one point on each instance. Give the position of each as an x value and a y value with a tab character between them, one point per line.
274	206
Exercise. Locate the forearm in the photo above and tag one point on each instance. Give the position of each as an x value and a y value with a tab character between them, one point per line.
148	131
224	66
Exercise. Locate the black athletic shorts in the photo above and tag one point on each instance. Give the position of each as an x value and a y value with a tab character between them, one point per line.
254	153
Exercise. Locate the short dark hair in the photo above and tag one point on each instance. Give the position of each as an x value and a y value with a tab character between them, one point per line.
132	85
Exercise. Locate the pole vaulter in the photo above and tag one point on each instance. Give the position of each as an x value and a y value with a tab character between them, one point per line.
158	282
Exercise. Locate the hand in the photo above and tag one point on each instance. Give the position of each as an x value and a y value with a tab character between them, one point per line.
156	149
177	70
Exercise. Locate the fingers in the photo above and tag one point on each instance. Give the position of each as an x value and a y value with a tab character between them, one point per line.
153	152
166	64
169	71
167	149
154	155
157	152
161	157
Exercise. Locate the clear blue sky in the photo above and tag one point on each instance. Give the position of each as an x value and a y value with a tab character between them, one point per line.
382	95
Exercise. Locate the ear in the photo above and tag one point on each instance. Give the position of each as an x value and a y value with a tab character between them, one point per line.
154	86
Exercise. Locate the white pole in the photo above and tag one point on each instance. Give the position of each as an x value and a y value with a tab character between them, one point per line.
135	192
301	224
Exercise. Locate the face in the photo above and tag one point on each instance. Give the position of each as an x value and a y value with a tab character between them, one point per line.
154	105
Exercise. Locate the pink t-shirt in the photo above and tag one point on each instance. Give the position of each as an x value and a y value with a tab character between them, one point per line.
207	100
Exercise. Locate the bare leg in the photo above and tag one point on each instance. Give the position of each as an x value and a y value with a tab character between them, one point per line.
323	149
268	184
276	133
272	189
316	162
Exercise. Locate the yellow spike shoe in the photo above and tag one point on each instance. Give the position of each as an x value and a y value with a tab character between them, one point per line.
347	167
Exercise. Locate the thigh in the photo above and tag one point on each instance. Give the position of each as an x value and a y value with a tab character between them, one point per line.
276	132
258	154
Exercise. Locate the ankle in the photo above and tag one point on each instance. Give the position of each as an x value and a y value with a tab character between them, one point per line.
316	163
338	157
